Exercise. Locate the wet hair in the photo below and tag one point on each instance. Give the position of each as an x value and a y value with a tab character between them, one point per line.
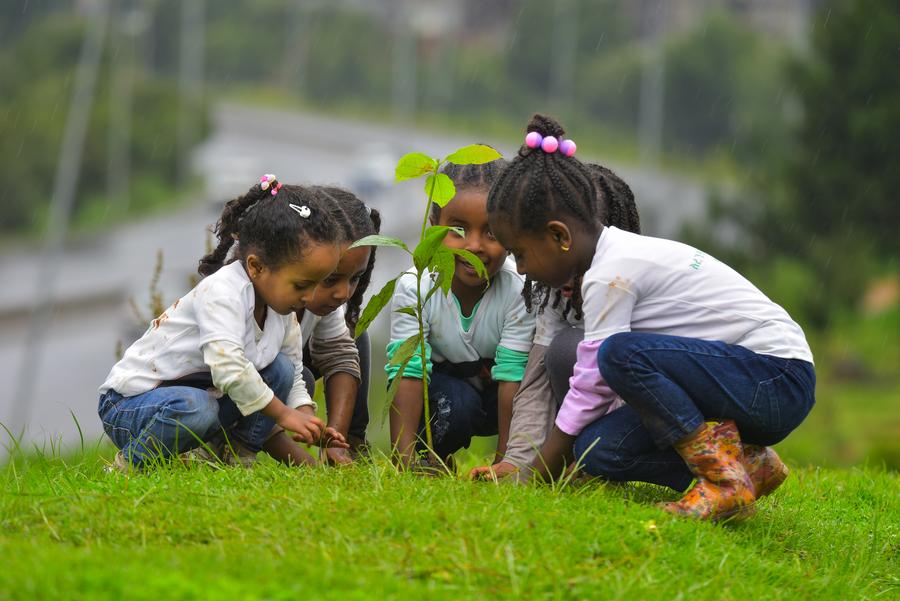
358	221
268	227
470	177
539	186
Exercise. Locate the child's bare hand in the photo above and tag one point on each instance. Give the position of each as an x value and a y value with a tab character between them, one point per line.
493	472
304	426
333	439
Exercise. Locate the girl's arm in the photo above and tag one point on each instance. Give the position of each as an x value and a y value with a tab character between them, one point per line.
505	393
555	455
334	354
533	411
407	407
406	412
340	397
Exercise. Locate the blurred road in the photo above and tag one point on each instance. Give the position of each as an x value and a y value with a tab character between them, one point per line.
98	276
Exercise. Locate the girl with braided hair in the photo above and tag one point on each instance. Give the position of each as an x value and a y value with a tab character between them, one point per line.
710	369
226	356
558	330
477	337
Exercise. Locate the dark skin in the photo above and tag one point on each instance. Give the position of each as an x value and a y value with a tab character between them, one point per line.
341	387
467	210
560	251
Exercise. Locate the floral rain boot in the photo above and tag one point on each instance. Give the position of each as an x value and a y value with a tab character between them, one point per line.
765	468
723	489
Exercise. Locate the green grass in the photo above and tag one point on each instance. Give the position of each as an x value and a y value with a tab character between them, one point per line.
69	530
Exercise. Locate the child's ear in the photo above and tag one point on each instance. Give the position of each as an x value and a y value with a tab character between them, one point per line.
254	266
560	234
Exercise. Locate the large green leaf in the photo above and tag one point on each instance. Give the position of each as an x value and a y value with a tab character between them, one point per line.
430	242
375	305
376	240
414	164
406	350
444	265
474	154
411	311
473	260
440	189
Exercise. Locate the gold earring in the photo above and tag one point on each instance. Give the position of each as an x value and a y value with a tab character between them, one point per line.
564	247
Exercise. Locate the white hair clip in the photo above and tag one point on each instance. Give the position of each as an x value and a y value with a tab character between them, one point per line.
302	211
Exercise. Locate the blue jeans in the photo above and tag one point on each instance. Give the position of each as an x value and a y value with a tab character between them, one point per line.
458	412
671	386
178	416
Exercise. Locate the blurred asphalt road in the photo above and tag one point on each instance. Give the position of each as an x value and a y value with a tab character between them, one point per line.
98	276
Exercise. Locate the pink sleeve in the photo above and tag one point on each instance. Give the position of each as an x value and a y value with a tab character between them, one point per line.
589	397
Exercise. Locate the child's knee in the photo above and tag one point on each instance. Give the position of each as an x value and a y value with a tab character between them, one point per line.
613	357
201	413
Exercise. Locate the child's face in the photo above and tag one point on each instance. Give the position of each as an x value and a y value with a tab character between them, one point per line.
537	255
337	288
290	287
468	210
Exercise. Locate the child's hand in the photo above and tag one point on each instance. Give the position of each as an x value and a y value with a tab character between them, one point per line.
332	439
304	426
493	472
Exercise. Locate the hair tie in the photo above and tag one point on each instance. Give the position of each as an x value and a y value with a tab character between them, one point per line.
550	144
267	180
303	211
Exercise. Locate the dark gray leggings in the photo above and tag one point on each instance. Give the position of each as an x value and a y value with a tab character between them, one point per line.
560	360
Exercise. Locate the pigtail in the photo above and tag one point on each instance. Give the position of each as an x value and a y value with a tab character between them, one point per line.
355	302
226	229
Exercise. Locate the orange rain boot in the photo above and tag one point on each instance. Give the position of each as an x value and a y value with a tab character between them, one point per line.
765	468
723	489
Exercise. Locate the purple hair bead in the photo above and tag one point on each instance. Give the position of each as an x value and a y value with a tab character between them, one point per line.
567	147
533	139
549	144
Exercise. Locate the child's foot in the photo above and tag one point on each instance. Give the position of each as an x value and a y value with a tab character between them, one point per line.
765	468
723	490
236	454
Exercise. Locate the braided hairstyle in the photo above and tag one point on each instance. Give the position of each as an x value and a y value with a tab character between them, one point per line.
470	177
268	227
358	222
540	186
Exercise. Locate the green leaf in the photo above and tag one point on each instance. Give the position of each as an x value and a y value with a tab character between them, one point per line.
473	154
473	260
430	242
444	265
376	240
395	384
414	164
440	189
407	311
406	350
375	305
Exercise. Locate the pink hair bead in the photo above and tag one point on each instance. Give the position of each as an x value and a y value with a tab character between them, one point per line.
549	144
533	139
567	147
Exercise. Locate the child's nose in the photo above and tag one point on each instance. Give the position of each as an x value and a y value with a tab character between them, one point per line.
474	241
342	292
